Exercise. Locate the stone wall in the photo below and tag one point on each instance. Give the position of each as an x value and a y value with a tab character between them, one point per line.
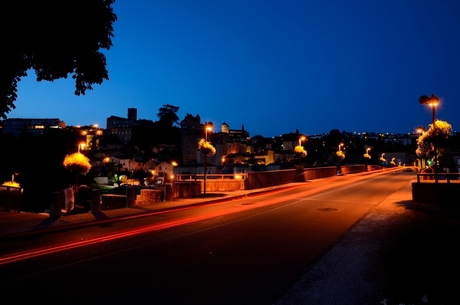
442	197
187	189
112	201
223	185
148	196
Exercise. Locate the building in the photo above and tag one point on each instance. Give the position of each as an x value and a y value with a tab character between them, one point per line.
122	127
33	127
192	131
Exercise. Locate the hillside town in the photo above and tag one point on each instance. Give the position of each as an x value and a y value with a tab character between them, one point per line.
236	151
132	151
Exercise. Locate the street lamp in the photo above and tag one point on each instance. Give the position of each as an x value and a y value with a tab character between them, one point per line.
82	145
207	126
302	138
367	156
432	101
420	130
340	146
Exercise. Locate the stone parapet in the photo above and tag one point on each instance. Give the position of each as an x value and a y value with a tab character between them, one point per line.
441	197
113	201
148	196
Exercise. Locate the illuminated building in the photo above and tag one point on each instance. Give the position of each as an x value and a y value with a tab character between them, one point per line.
33	127
122	127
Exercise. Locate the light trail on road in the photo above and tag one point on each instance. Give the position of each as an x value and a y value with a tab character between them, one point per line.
156	227
170	224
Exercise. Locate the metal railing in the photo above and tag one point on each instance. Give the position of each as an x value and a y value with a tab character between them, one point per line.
448	177
193	177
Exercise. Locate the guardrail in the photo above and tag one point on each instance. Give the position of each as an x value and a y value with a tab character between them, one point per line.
254	180
193	177
449	177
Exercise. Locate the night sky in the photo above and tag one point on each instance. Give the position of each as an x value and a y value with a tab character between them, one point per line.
272	66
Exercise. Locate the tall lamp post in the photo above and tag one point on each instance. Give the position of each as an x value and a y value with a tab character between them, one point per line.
432	101
302	138
367	156
207	126
339	165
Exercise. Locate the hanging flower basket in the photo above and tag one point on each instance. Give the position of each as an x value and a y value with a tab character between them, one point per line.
300	151
77	163
437	132
340	154
206	148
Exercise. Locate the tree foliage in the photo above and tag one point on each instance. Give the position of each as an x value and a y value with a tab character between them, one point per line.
54	38
168	115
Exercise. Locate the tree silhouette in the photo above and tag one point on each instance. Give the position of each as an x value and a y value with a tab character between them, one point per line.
54	38
168	115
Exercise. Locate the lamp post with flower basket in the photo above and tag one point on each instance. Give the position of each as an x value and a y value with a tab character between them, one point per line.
438	129
300	151
207	149
367	157
340	155
382	159
77	163
428	141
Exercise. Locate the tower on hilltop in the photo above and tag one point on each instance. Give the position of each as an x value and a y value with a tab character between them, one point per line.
132	114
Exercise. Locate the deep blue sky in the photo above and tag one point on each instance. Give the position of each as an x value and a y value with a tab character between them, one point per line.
273	65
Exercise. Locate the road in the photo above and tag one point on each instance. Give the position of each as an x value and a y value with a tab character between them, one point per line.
246	251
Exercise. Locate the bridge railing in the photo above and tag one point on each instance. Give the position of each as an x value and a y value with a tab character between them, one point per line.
193	177
448	177
254	180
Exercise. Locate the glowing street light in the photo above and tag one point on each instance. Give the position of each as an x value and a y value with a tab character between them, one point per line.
420	129
207	127
340	146
432	101
82	145
302	138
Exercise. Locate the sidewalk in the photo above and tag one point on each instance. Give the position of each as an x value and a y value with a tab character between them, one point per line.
394	255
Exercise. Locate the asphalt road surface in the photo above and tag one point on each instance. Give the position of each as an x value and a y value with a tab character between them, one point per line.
245	251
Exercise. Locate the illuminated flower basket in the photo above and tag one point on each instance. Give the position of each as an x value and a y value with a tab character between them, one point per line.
340	154
382	159
77	163
299	150
11	184
367	156
424	150
436	133
427	141
206	147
